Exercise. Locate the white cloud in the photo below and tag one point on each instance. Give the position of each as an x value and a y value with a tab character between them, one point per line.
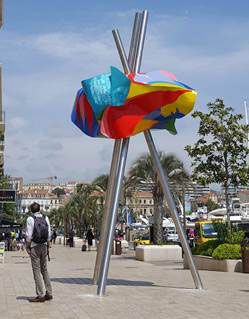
46	144
72	46
54	63
17	123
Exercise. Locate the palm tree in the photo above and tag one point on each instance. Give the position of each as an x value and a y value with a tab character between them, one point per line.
83	208
144	175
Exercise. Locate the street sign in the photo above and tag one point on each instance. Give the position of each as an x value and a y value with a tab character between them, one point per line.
7	196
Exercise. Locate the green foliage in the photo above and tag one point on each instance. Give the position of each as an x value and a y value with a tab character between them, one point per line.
8	209
142	173
227	251
207	248
58	191
220	154
221	230
211	205
226	236
235	237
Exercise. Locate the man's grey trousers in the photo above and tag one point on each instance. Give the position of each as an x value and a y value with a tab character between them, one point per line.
39	265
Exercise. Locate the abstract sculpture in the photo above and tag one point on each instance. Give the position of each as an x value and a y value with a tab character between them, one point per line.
117	106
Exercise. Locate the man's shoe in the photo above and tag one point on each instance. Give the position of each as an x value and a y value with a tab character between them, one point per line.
37	299
48	297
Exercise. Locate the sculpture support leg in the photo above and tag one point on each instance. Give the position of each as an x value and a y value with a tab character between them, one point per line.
107	211
113	216
172	207
114	165
135	57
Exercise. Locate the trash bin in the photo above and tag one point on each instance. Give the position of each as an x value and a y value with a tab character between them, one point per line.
118	247
245	256
113	246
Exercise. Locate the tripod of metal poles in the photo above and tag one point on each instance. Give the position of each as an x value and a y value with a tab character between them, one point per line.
132	64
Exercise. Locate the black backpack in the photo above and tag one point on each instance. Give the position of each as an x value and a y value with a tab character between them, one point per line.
40	232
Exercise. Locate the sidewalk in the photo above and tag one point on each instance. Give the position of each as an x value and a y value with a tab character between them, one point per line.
135	290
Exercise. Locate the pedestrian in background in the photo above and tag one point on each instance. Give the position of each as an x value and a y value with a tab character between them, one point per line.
89	237
54	236
71	238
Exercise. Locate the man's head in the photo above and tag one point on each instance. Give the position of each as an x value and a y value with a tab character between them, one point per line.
34	207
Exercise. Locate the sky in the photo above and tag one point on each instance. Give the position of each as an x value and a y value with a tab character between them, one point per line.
48	47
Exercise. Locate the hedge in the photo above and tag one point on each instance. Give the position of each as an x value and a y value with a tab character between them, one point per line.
207	248
227	251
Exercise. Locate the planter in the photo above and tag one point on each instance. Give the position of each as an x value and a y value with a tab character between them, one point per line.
209	263
158	253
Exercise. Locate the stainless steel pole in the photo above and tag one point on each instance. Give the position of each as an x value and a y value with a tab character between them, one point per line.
165	186
121	51
107	211
113	170
134	41
139	53
119	178
118	185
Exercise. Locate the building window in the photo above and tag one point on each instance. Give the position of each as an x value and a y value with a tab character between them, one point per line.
145	211
140	201
144	201
150	201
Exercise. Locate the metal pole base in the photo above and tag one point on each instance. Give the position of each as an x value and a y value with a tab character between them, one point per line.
165	186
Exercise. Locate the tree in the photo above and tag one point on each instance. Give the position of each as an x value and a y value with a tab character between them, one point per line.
220	154
211	205
7	210
100	185
58	191
143	174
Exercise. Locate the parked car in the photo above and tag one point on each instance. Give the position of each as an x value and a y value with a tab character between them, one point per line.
144	240
170	234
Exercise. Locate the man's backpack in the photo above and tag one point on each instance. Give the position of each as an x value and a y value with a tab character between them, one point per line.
40	232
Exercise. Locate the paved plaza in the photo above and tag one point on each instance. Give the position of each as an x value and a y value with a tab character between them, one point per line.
135	289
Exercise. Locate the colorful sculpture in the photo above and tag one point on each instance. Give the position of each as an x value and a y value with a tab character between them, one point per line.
118	106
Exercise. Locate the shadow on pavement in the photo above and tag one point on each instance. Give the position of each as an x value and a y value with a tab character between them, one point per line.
23	298
112	282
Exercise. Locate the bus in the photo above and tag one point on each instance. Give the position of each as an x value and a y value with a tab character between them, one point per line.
204	231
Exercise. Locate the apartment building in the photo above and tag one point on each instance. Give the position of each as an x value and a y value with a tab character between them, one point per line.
46	200
2	119
141	203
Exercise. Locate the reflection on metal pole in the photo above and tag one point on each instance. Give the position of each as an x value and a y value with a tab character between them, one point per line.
114	165
121	51
172	207
143	22
124	148
118	185
107	211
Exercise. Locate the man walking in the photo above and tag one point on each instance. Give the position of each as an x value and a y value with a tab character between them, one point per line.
37	244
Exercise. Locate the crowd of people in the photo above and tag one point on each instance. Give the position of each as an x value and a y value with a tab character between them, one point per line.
14	240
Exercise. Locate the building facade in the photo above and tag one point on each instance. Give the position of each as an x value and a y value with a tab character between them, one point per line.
48	187
46	200
2	119
141	203
16	183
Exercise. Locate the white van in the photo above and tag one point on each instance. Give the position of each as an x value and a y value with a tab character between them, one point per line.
170	234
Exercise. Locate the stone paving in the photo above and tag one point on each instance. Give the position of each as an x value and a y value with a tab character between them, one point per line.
135	289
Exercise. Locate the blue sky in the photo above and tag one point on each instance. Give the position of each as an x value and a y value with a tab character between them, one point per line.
48	47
